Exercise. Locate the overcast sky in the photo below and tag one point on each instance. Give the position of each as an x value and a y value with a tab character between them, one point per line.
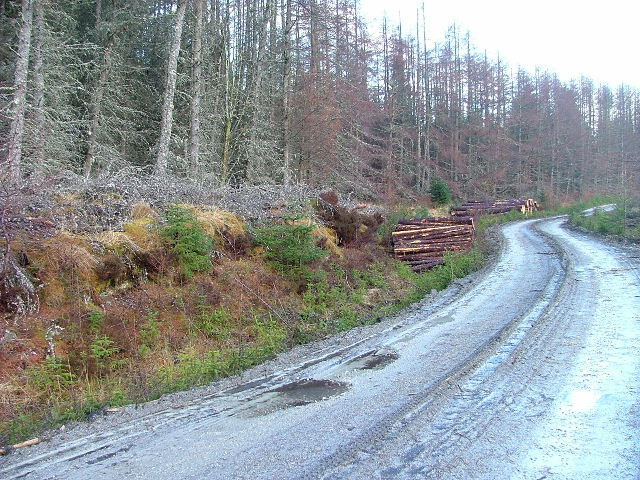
569	37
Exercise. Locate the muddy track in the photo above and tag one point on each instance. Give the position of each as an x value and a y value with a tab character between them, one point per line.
520	374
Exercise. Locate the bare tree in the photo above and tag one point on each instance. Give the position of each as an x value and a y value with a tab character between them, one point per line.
14	155
38	81
196	87
166	123
286	91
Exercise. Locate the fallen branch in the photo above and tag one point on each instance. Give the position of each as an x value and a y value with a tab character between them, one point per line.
28	443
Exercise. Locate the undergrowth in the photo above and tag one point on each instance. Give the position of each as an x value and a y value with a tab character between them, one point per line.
622	221
188	241
290	248
457	265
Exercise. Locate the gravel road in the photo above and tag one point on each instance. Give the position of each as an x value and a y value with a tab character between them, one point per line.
529	370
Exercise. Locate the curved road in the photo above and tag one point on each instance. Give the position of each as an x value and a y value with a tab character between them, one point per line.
530	372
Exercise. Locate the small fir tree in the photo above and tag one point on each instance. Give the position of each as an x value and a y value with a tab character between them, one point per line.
188	241
440	192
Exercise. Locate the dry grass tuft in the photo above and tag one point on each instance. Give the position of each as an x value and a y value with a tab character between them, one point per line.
228	230
142	234
326	237
67	268
143	210
115	241
217	222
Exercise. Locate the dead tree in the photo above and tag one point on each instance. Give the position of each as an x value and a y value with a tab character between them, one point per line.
18	106
164	141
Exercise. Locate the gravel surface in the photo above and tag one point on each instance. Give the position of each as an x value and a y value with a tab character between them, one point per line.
527	370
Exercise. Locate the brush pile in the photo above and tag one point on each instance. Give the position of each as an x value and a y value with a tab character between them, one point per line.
474	208
422	243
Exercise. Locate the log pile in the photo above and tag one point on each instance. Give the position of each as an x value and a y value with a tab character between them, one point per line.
422	243
473	208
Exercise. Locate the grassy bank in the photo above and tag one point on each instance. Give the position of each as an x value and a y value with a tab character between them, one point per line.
622	222
184	297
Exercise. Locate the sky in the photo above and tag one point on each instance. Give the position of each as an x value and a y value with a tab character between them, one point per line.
569	37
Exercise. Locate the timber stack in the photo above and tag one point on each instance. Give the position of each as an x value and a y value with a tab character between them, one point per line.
473	208
422	242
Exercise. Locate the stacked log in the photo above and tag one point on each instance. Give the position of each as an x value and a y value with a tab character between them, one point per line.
422	243
473	208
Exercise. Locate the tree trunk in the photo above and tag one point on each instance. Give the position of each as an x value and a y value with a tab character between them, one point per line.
196	89
38	84
255	164
286	94
166	123
225	171
12	165
96	110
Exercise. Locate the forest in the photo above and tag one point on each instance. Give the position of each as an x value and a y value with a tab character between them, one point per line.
190	187
234	92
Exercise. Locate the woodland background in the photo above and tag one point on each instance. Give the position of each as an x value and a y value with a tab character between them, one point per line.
229	92
161	163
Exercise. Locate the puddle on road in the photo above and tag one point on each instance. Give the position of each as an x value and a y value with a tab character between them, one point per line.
374	360
295	394
441	320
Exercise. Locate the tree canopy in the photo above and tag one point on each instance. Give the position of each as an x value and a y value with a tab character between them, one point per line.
226	92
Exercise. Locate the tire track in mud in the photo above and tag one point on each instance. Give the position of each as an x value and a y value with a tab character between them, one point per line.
592	429
484	394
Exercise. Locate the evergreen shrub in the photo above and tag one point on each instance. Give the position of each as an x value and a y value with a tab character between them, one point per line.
188	241
291	248
440	192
